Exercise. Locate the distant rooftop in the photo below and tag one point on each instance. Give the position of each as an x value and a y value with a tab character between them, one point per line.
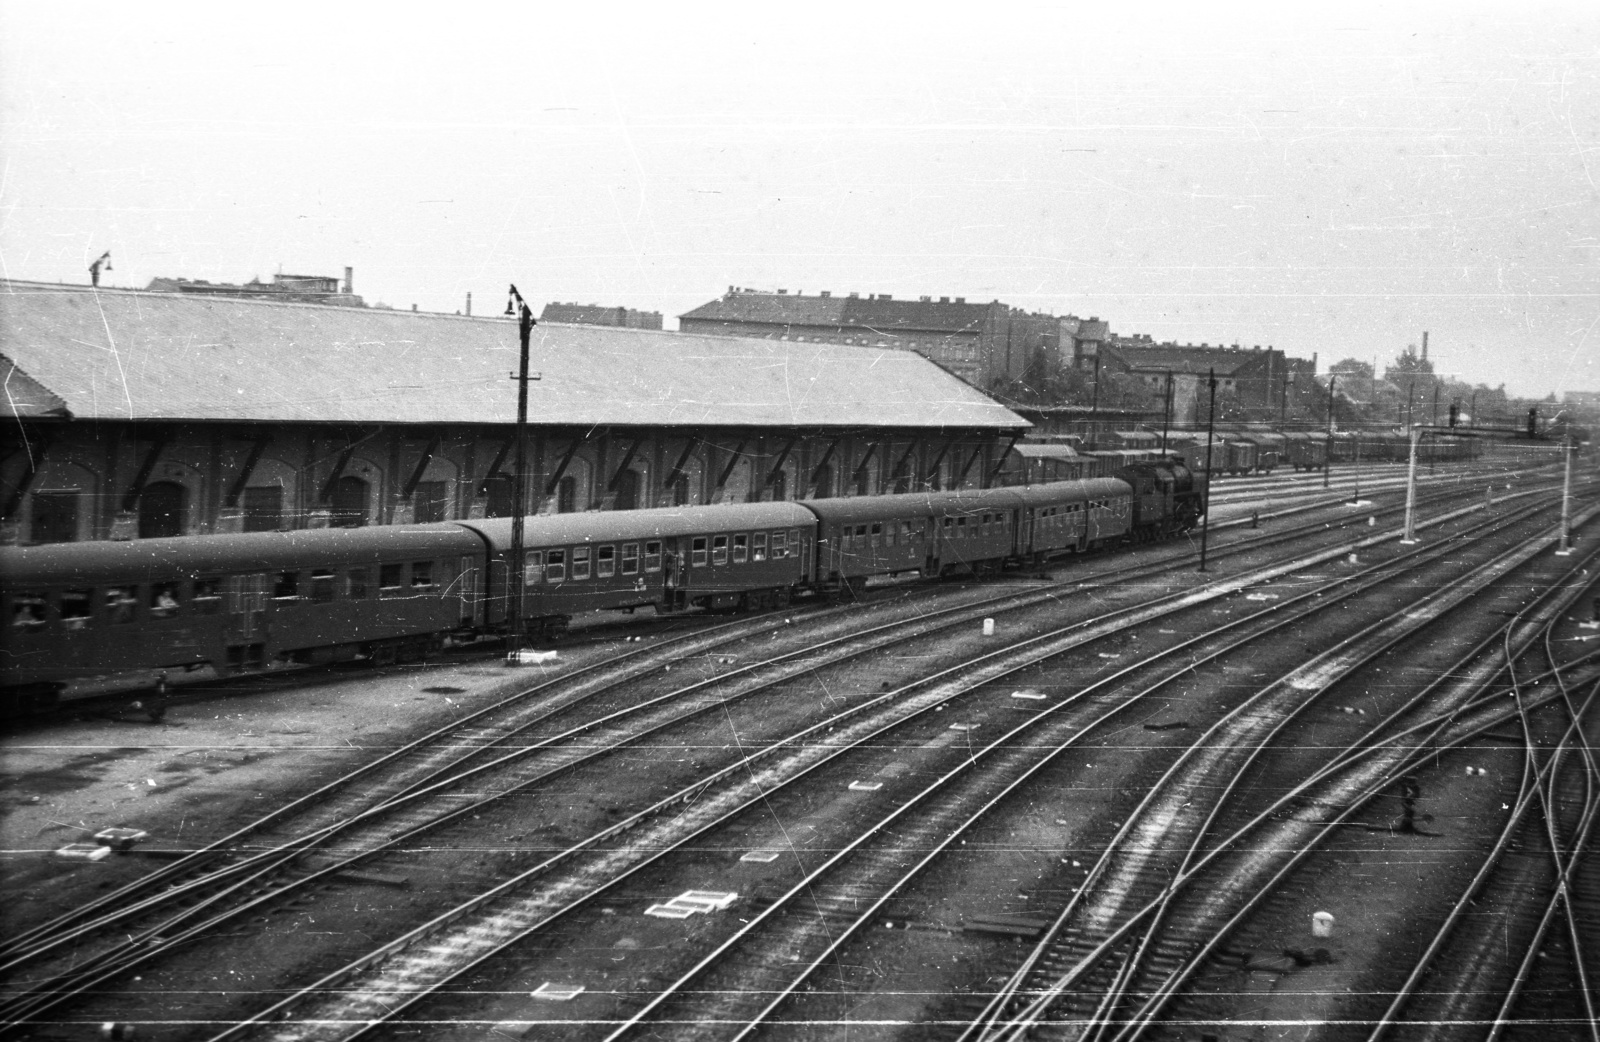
304	289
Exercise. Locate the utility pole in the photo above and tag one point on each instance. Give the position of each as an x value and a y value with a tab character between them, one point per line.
1566	494
1211	425
1433	420
1411	490
1327	464
516	570
1166	413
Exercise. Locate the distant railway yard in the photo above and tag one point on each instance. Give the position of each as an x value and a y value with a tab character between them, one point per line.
1339	785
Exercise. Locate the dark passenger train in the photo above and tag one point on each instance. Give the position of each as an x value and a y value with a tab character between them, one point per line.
243	603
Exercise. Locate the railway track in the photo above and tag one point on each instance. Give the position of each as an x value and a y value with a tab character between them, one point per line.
400	974
1115	989
420	769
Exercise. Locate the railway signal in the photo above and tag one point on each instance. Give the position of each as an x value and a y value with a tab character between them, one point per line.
516	581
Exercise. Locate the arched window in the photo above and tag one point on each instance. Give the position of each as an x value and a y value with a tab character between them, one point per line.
628	490
161	507
497	490
55	516
349	503
824	484
567	496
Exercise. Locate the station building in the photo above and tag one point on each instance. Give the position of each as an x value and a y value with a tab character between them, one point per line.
135	414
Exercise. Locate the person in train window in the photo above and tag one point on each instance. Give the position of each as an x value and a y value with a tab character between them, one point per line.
28	613
163	603
758	547
779	549
75	609
741	548
120	604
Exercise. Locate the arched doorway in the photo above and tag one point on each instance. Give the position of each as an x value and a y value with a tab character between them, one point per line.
497	492
824	488
349	503
161	506
628	490
567	496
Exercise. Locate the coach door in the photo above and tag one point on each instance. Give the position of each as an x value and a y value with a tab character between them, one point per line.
246	631
674	575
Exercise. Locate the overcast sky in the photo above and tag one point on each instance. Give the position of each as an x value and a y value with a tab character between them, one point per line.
1329	179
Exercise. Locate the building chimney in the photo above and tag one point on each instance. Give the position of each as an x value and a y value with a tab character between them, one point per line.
413	307
469	303
349	279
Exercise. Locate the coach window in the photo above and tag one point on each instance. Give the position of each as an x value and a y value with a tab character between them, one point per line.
846	537
605	562
532	567
421	574
163	600
697	551
391	576
861	535
75	608
356	581
556	566
122	603
741	548
580	562
652	556
207	599
877	533
779	548
794	542
630	558
287	586
719	549
322	586
27	612
758	547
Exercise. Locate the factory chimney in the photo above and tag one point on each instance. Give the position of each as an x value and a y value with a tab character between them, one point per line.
1424	345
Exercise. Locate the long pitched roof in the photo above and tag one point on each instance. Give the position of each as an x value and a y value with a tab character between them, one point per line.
876	313
1189	360
119	354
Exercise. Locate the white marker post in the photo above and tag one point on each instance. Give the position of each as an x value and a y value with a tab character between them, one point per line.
1566	499
1411	491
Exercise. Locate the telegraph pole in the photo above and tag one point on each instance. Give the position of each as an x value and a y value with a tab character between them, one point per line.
1211	424
1327	463
1566	494
516	582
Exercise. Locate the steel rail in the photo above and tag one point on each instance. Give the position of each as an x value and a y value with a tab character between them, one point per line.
1036	1009
742	766
1464	664
1362	581
1421	751
1006	993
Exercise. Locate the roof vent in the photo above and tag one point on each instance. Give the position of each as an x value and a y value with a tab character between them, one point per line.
961	300
944	300
854	296
884	296
926	300
827	293
783	293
